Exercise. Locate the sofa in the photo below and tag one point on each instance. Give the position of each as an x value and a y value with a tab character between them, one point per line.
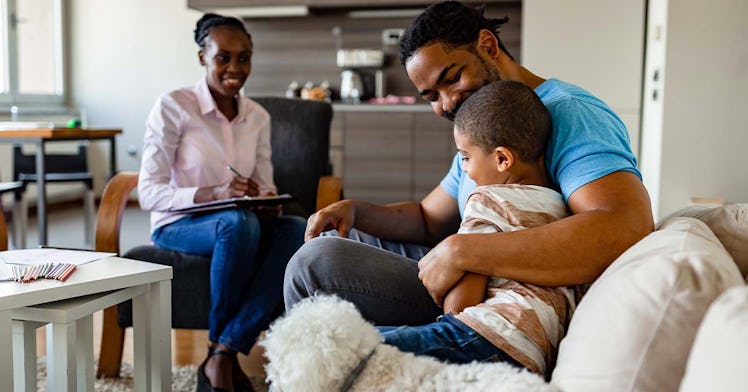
669	314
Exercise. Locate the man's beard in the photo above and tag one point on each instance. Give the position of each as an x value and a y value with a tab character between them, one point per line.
490	75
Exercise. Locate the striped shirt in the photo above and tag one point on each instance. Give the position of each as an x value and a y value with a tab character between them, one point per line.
525	321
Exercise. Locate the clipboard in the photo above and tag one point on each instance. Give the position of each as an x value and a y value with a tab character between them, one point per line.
234	202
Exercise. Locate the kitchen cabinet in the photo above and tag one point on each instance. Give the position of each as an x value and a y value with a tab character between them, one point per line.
387	156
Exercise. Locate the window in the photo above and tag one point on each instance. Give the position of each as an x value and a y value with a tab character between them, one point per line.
31	53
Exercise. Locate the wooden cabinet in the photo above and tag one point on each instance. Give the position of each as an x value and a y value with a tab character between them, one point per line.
386	157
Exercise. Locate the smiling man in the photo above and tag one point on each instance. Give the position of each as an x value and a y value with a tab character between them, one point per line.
391	273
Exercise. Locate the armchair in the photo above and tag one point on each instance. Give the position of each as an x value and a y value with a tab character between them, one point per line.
300	144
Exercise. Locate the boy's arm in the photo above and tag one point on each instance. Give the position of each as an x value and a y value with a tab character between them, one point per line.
469	291
610	214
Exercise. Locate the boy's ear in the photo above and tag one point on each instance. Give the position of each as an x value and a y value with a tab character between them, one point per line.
201	57
504	158
488	44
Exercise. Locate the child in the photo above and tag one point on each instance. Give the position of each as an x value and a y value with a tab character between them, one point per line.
501	132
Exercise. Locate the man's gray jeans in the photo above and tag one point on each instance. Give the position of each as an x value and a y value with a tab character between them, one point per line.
379	277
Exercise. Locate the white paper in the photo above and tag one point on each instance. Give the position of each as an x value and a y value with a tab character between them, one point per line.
6	272
51	255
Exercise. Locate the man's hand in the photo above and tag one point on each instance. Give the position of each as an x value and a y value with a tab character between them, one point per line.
437	269
338	216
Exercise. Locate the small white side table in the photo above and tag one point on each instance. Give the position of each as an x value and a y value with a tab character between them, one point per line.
69	307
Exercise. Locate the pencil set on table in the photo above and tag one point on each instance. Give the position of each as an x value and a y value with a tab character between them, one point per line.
26	274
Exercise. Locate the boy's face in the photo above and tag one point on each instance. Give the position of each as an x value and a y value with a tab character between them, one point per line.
479	165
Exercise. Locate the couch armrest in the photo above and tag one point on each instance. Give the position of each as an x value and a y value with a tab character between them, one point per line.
329	190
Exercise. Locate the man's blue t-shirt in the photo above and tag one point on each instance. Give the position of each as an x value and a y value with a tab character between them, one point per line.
588	141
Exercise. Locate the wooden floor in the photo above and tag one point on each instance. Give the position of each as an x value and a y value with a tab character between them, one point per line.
188	348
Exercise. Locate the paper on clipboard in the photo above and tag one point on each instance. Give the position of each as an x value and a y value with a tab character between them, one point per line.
51	255
234	202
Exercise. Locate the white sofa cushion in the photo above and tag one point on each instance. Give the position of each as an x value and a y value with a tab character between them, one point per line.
634	328
729	223
719	355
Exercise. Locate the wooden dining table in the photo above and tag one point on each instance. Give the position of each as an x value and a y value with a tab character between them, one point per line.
40	136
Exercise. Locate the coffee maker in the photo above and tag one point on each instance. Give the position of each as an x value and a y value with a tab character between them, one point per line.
361	77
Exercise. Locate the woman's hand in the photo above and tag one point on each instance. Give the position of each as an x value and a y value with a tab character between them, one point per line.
238	187
339	216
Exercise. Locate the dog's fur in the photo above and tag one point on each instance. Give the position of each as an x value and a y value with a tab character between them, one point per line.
322	339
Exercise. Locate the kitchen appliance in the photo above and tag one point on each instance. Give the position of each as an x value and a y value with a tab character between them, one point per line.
362	77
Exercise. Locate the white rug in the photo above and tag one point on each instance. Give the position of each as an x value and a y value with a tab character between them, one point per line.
183	379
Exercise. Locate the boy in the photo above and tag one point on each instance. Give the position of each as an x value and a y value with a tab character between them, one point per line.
501	132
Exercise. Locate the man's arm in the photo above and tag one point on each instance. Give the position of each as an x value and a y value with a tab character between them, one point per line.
609	215
427	222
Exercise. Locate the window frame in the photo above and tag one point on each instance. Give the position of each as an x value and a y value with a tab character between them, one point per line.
9	37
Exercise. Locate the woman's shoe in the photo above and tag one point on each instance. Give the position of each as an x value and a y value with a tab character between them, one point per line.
203	382
241	381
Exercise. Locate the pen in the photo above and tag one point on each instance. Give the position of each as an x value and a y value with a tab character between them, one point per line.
231	169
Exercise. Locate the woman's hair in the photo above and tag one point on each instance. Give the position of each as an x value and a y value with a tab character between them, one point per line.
450	23
208	21
508	114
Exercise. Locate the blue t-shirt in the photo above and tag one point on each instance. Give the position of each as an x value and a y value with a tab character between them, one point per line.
588	141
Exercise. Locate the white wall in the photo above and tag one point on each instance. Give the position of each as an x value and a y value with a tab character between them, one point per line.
124	54
598	45
704	132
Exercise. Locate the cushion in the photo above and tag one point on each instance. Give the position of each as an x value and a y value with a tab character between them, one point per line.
729	223
634	328
720	351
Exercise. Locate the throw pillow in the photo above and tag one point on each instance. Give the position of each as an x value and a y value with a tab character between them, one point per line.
729	223
634	328
718	357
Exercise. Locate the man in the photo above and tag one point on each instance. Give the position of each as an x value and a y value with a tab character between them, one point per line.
449	52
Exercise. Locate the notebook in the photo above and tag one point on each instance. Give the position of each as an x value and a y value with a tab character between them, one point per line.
234	202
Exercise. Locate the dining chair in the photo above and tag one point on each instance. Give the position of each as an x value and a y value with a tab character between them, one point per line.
60	168
19	213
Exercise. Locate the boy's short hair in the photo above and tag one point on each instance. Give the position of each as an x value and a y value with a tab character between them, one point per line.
508	114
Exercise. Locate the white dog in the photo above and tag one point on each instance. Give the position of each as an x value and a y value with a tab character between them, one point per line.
324	345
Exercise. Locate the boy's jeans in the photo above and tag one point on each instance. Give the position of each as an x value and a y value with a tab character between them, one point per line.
448	339
248	259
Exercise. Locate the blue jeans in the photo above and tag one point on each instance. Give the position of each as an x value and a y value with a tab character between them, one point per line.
448	339
248	259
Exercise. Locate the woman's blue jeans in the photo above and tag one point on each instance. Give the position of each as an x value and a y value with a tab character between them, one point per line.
248	259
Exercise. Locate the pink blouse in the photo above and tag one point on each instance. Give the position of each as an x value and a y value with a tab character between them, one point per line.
188	144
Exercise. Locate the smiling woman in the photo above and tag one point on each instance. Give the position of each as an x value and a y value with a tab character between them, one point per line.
192	135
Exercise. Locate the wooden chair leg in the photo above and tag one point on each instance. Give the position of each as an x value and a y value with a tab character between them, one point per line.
112	343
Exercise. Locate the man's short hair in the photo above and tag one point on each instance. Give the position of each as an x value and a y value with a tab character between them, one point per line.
450	23
508	114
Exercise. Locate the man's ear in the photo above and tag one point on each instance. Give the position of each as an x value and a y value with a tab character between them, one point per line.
488	44
504	158
201	57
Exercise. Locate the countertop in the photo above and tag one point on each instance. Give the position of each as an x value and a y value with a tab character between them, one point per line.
373	107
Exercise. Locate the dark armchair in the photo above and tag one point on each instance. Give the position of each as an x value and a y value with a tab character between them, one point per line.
300	142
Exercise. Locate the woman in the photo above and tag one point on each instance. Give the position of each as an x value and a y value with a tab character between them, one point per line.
192	135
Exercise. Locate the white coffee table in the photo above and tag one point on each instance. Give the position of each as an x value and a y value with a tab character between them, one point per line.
67	305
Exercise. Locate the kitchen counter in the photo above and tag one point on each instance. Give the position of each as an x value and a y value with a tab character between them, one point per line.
370	107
